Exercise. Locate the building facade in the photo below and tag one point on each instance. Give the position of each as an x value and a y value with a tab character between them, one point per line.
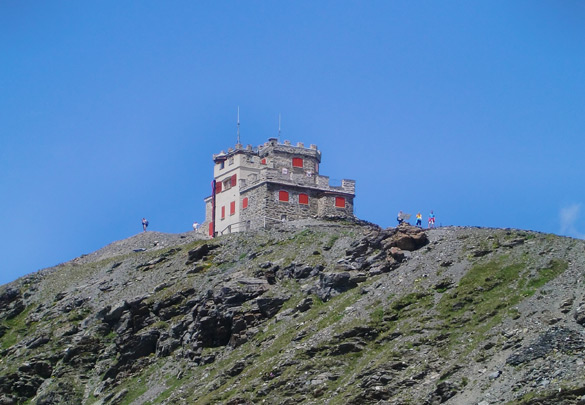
257	187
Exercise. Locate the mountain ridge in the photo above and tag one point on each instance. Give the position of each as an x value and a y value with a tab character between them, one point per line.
314	312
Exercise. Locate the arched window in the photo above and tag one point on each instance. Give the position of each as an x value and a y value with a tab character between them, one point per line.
283	195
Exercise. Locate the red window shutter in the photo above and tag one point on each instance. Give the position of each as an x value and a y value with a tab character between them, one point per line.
232	208
218	187
303	199
282	195
211	229
245	203
233	181
297	162
223	212
263	161
340	202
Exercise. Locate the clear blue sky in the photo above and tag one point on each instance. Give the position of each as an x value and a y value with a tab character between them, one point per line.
111	111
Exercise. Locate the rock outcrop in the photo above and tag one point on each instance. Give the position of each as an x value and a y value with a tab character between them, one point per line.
326	312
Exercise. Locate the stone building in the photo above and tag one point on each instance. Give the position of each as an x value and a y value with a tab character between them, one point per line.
257	187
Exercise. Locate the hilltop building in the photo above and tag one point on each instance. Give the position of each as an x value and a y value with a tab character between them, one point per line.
257	187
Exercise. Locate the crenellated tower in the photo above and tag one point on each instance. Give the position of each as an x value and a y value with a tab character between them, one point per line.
274	182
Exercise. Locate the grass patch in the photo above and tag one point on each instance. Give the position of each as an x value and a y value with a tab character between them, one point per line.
17	329
329	244
489	292
136	386
172	383
554	269
483	295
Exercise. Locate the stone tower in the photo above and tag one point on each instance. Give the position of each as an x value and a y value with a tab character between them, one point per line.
257	187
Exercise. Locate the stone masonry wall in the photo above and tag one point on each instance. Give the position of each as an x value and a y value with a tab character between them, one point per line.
264	205
327	207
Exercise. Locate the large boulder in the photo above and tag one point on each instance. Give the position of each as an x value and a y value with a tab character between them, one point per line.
407	237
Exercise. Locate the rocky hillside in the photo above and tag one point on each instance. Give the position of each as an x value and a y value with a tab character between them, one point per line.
312	313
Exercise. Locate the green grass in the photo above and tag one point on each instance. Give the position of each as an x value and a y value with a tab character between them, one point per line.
554	268
137	385
172	383
489	292
17	329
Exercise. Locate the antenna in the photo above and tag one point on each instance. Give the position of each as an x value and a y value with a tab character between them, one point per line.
238	140
279	126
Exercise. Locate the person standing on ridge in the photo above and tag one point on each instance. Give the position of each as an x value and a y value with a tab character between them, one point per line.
195	225
432	219
144	224
419	220
400	217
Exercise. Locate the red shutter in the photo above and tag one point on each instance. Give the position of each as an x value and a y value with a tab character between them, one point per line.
303	199
245	203
340	202
223	212
232	208
282	195
263	161
297	162
218	187
233	181
211	229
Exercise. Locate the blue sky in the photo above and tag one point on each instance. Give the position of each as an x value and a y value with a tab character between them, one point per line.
111	111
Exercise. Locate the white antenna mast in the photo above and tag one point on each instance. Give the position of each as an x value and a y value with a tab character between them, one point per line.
238	125
279	127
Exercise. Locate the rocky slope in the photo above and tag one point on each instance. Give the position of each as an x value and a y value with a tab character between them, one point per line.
313	313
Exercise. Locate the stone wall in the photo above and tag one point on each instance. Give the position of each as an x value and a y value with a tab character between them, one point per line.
327	207
264	207
280	156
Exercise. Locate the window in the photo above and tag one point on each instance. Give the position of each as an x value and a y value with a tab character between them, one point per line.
263	161
303	199
245	203
231	161
232	208
340	202
221	164
283	195
227	184
233	181
218	187
223	212
297	162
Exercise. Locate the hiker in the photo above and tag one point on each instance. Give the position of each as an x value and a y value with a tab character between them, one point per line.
432	219
144	224
400	217
419	220
195	225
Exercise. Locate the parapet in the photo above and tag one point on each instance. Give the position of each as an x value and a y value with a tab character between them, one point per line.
272	146
348	186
